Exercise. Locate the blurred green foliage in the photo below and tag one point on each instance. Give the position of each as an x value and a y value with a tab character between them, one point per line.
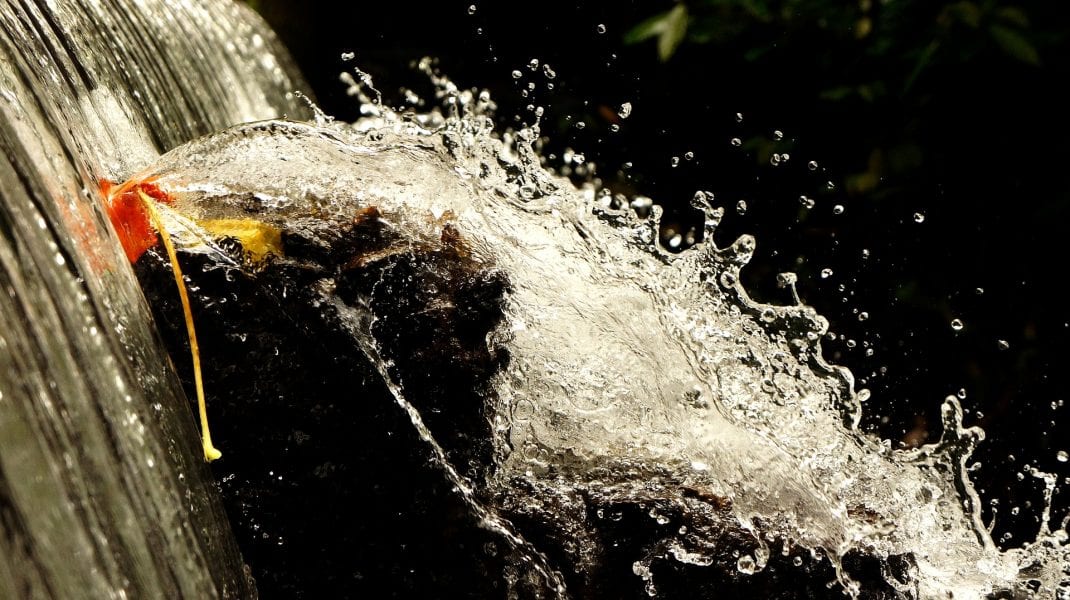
919	32
890	54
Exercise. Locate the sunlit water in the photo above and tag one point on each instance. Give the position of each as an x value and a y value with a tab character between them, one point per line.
633	372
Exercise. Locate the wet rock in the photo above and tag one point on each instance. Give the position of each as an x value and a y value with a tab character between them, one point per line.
333	493
330	490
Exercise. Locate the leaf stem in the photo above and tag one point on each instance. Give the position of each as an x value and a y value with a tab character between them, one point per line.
210	451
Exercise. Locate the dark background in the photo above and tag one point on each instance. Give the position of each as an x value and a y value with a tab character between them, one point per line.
948	113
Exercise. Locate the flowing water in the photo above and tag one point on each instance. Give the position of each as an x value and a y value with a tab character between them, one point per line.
633	372
99	495
634	375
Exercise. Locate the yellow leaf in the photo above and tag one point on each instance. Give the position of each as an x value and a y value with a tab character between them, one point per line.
257	238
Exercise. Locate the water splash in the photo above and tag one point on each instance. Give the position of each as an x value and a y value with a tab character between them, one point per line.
635	375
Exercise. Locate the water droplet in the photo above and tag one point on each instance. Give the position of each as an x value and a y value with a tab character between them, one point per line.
728	279
533	64
641	205
862	316
741	207
837	210
797	561
778	135
614	127
625	110
739	117
826	273
745	564
658	517
806	202
919	217
689	155
1062	456
675	161
979	291
601	28
865	252
580	125
517	74
348	56
774	160
957	324
1002	344
548	72
830	185
643	571
812	165
472	9
961	393
737	142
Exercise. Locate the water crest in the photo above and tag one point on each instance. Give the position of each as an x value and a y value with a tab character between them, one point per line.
635	376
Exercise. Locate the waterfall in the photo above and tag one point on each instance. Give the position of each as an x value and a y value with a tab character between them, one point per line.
100	496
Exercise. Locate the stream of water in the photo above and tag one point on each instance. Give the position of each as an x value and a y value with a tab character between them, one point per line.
99	497
633	374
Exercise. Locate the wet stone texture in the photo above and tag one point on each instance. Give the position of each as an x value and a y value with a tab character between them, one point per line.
328	486
330	489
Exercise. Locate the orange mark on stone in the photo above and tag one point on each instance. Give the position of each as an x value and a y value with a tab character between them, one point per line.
128	215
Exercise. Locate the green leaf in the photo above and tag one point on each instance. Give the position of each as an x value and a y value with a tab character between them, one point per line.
1014	15
838	93
649	28
670	27
1015	44
756	53
759	10
675	30
967	12
923	61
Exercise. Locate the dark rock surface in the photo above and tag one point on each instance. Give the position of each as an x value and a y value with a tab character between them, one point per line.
330	489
